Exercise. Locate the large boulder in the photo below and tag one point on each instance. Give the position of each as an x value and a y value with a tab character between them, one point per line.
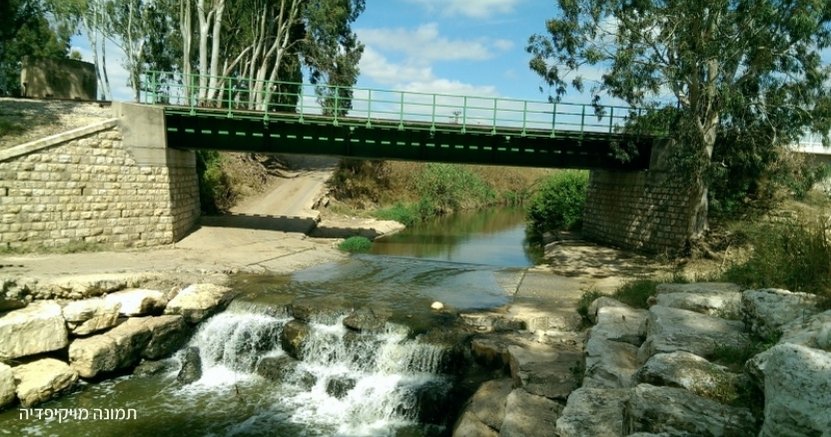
547	371
308	309
84	317
469	425
593	412
191	370
36	329
603	302
168	334
672	329
138	302
797	386
293	337
617	323
766	311
491	350
364	320
486	407
528	415
679	412
814	332
118	348
691	372
610	364
712	298
198	301
42	380
7	394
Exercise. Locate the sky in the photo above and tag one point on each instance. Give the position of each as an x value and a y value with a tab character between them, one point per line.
470	47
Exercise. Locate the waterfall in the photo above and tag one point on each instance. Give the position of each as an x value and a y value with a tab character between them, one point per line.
348	383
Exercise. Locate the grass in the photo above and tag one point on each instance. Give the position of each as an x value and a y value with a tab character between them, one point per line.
356	245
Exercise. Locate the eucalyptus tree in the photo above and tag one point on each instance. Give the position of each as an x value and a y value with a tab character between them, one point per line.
746	70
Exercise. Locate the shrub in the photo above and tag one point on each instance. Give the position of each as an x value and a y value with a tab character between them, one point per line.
558	205
402	213
356	245
445	188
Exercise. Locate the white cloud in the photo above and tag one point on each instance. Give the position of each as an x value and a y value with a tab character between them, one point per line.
426	44
469	8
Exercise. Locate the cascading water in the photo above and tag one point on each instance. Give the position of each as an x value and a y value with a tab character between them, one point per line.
348	383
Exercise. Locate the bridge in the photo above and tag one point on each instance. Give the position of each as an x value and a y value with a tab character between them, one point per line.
283	117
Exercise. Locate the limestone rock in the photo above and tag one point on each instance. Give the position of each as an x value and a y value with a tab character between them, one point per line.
276	368
691	372
546	371
199	301
766	311
487	405
364	320
797	382
672	329
715	299
609	364
150	368
593	412
603	302
492	350
308	308
38	328
115	349
492	322
814	332
528	415
7	394
15	293
138	302
169	334
42	380
84	317
293	336
679	412
191	369
619	323
81	286
469	425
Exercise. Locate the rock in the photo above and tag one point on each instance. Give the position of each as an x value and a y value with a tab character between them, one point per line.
610	364
487	405
115	349
492	322
77	287
672	329
14	294
293	336
437	306
603	302
547	371
715	299
84	317
150	368
593	412
491	350
797	385
169	334
766	311
693	373
38	328
199	301
138	302
42	380
339	387
619	323
814	332
364	320
469	425
191	369
7	394
326	307
433	403
678	412
528	415
276	368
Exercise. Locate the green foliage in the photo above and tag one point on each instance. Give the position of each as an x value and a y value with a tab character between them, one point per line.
789	254
356	178
636	293
216	193
355	245
586	299
445	188
559	202
406	214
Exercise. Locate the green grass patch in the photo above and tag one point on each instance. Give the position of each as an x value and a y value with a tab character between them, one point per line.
636	293
355	245
406	214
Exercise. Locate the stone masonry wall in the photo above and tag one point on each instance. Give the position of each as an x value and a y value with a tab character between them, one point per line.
90	189
647	210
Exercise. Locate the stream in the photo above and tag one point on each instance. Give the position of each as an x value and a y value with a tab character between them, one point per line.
404	379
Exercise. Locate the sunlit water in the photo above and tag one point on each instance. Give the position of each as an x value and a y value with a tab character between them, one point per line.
383	376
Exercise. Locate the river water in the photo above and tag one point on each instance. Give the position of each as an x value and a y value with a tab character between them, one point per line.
399	381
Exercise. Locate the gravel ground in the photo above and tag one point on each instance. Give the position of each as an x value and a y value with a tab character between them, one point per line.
24	120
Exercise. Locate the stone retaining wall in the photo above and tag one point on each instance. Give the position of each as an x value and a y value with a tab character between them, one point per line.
86	186
647	210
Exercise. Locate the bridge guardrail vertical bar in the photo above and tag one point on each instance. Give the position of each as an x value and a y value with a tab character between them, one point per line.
493	127
433	119
401	112
524	117
369	109
554	121
464	114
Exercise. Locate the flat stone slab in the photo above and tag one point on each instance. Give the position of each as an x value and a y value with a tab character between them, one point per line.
42	380
693	373
199	301
766	311
546	371
168	335
813	332
84	317
7	386
83	286
528	415
488	403
618	323
138	302
594	412
672	329
547	302
38	328
610	364
115	349
724	304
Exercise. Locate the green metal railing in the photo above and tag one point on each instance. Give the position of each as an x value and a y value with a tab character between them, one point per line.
236	97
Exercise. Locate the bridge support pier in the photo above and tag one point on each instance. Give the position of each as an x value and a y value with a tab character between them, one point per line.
650	210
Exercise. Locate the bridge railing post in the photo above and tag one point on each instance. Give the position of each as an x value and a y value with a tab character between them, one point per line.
300	102
230	90
554	121
583	122
495	104
611	119
192	94
433	116
369	109
401	112
524	117
336	109
464	114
